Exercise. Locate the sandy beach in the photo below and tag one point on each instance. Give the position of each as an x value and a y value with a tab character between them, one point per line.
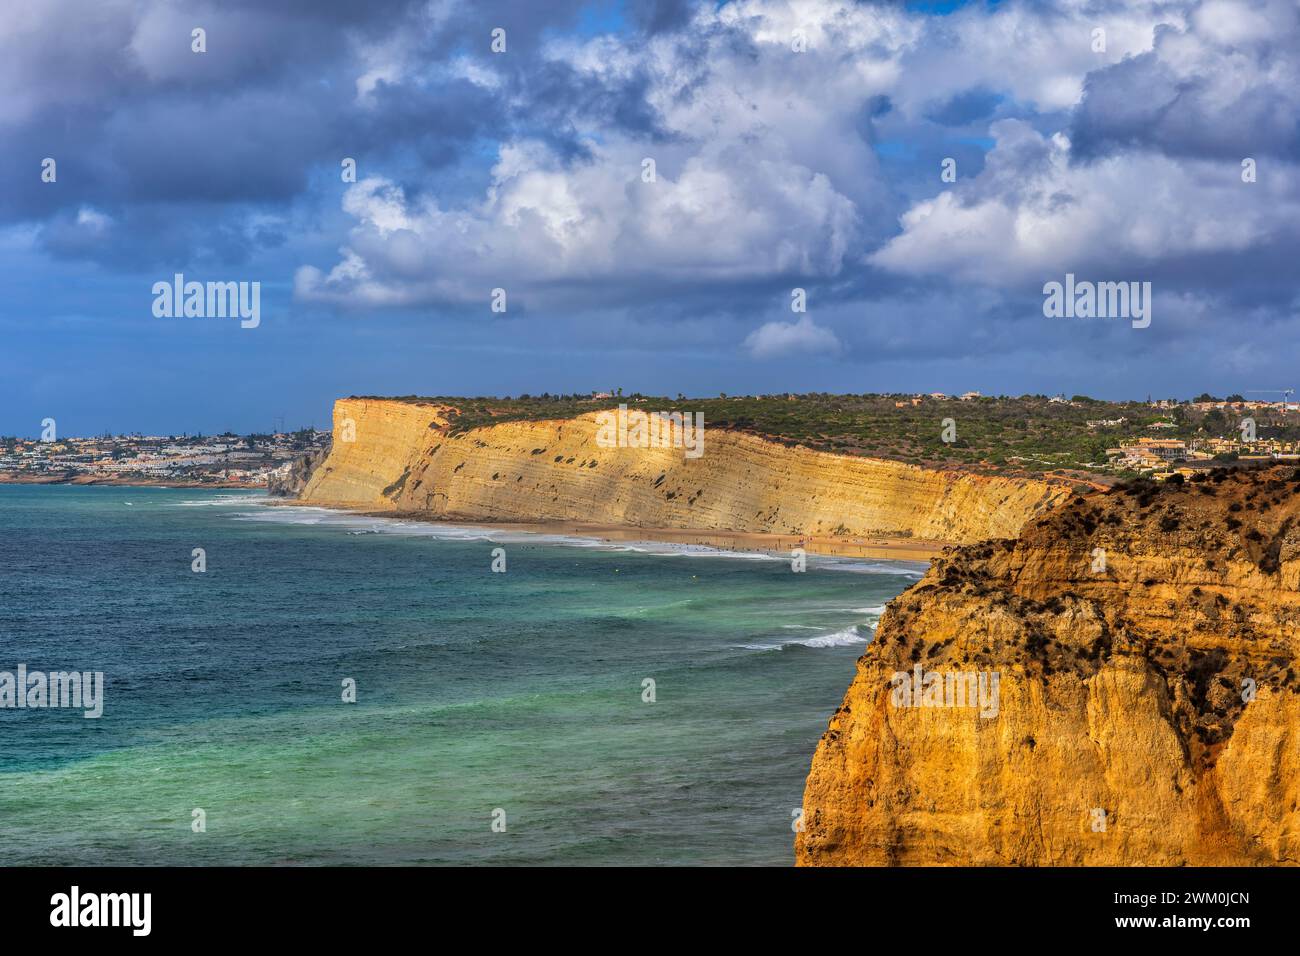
899	549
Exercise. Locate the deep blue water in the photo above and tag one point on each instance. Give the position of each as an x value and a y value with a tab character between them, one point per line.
476	692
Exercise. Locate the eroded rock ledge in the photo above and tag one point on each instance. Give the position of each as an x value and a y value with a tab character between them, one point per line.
1149	703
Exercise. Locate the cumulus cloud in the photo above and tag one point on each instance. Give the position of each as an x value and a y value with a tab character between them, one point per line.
1040	54
765	160
724	214
781	339
1144	174
113	91
760	167
1226	85
772	168
1033	212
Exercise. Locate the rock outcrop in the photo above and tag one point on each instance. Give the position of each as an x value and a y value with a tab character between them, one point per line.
1147	708
404	456
290	480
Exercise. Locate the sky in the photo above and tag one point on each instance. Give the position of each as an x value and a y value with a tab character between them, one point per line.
795	144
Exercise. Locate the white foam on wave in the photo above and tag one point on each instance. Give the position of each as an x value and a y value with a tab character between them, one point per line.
670	549
354	524
216	501
907	569
843	638
358	524
350	521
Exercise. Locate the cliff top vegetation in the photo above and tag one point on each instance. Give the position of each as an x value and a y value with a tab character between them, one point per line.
1029	434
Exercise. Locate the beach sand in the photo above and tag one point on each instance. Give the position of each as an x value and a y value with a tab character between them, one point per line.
899	549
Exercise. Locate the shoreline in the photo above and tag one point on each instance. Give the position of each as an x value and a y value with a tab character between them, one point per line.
895	549
8	478
880	547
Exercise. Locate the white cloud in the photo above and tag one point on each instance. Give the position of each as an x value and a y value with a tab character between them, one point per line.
765	168
92	220
1033	213
1037	53
778	339
726	213
764	171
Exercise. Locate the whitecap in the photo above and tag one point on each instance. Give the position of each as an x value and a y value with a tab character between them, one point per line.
843	638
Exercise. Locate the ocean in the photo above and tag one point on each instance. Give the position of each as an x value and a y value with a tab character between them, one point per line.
499	718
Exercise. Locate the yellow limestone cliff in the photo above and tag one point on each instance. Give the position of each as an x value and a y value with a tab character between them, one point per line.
403	457
1146	711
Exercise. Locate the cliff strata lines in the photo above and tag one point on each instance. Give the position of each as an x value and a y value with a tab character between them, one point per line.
404	458
1148	707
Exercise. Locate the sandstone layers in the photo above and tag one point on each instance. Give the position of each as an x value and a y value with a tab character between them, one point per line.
1146	643
405	458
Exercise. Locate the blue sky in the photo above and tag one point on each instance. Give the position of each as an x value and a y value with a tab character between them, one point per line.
775	168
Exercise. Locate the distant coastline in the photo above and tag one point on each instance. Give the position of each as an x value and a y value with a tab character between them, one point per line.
157	461
15	478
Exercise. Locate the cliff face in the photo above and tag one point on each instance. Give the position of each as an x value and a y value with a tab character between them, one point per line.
404	459
294	478
1147	711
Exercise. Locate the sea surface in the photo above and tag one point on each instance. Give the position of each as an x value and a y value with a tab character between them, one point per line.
516	699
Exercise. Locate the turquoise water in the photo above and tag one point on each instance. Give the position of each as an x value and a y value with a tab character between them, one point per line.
476	691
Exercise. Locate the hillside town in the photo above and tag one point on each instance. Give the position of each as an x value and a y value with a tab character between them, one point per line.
1240	422
1165	437
1166	456
228	461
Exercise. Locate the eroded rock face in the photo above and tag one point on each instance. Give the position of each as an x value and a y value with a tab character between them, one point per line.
1148	709
294	479
404	458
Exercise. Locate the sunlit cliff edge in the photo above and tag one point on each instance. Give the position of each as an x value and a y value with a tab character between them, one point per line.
405	458
1148	713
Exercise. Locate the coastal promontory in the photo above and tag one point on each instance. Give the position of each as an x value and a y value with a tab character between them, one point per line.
414	457
1117	685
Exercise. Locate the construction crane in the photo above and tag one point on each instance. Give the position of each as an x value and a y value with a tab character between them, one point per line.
1285	392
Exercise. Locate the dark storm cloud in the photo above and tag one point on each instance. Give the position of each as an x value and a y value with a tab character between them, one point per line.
135	118
560	95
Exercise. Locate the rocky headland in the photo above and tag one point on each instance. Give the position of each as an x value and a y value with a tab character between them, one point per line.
1145	709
